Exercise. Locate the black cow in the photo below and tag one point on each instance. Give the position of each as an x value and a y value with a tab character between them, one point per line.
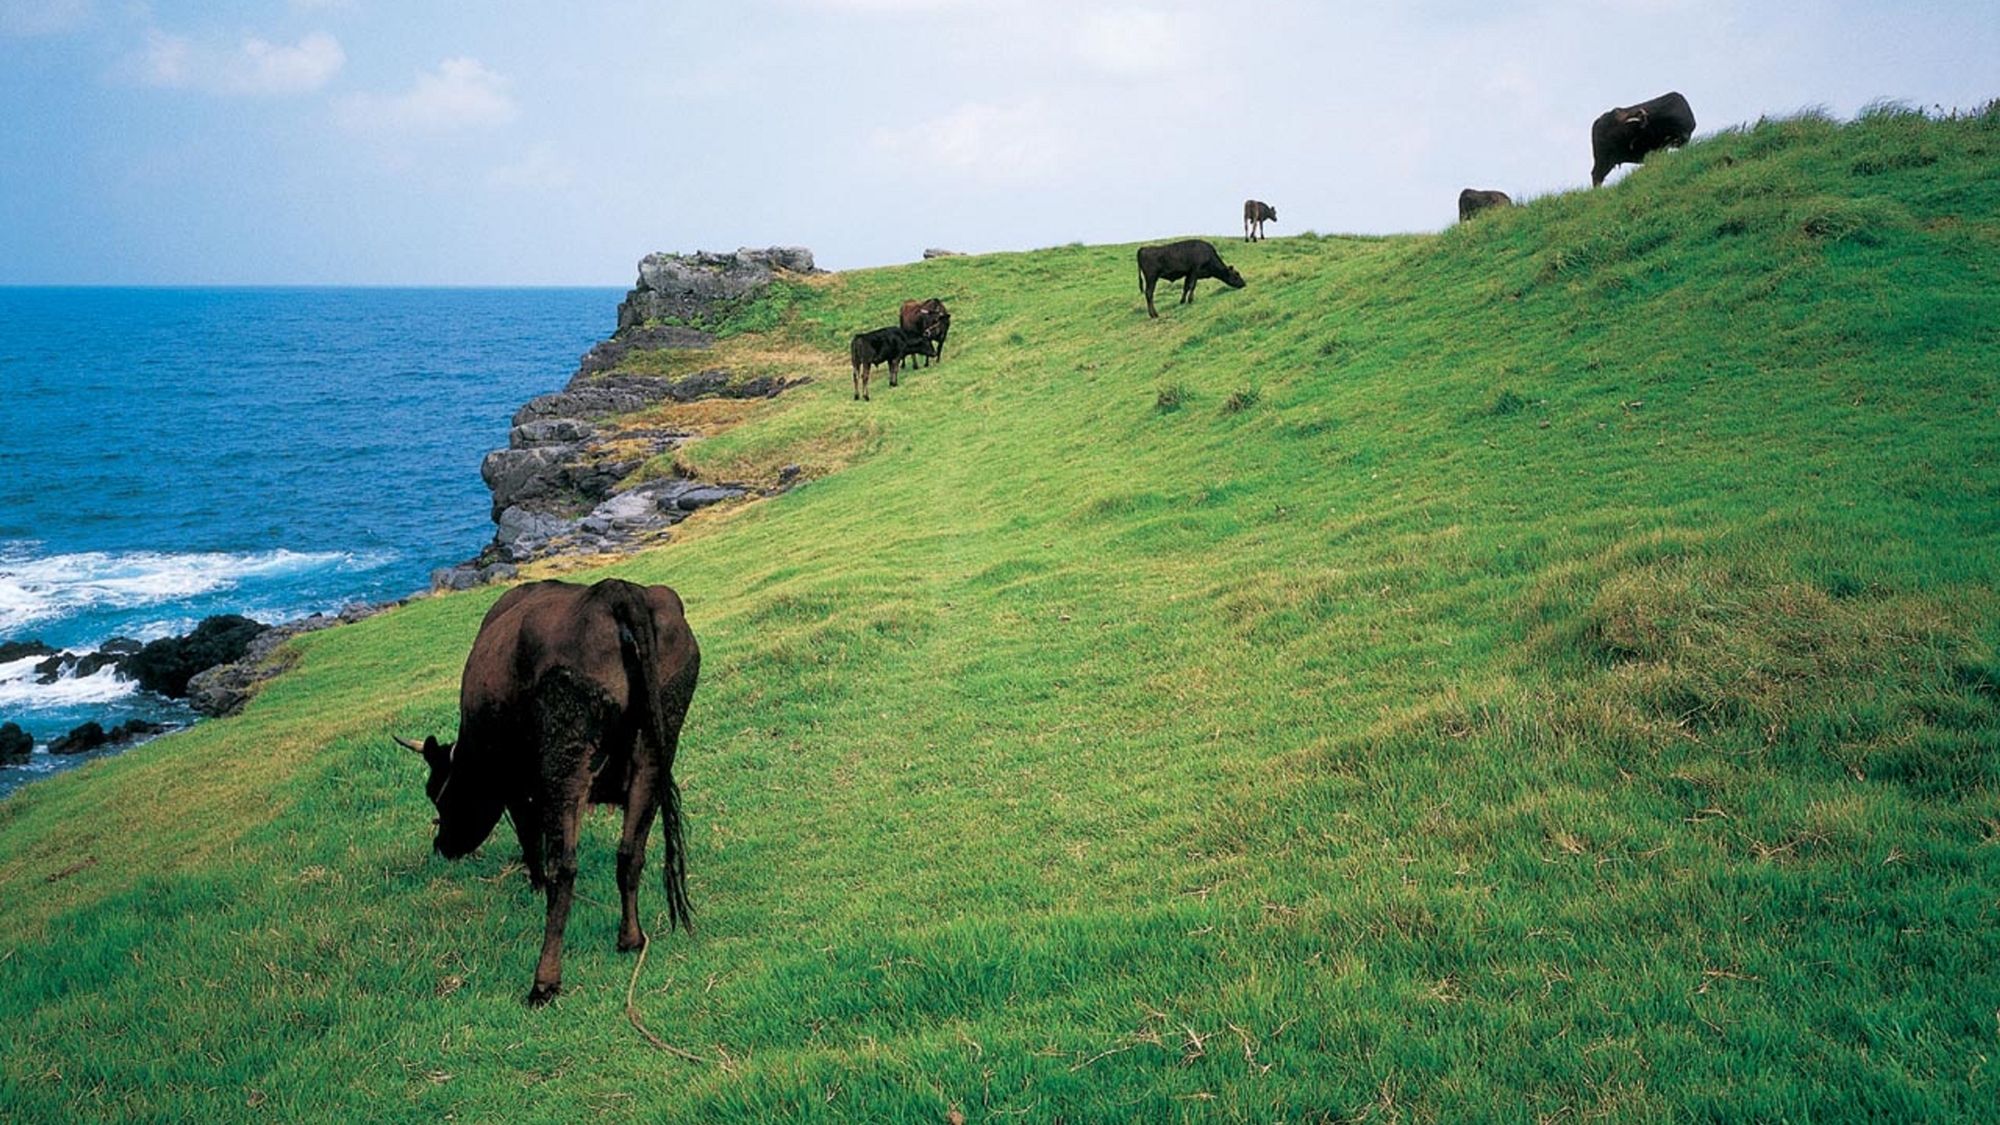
930	319
572	696
885	345
1625	135
1190	258
1471	202
1255	214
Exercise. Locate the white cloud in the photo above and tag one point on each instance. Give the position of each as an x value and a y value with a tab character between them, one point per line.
997	142
541	168
459	94
252	67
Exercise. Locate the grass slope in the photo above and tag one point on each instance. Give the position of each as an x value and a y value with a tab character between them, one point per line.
1541	671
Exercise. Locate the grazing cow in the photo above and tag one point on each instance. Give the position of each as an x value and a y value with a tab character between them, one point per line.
885	345
1625	135
1471	202
930	319
1255	214
1190	258
572	695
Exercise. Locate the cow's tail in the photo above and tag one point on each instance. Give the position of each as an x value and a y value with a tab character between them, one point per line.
662	710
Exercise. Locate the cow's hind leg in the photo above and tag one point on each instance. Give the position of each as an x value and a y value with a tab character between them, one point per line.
640	805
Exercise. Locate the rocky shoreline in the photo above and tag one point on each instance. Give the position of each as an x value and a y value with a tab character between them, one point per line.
563	488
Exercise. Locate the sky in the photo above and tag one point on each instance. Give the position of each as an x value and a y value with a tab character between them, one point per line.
525	142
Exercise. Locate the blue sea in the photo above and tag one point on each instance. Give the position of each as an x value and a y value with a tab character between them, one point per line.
169	454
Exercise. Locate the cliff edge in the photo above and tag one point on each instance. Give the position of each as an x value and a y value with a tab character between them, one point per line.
564	485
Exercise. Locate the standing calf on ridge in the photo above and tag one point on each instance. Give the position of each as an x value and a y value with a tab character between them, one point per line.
1190	258
1255	214
1625	135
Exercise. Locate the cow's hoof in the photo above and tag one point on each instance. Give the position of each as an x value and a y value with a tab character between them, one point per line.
543	993
628	946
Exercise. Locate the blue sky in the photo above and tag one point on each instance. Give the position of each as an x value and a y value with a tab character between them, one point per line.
524	142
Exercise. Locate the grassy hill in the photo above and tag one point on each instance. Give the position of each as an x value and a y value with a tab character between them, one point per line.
1548	670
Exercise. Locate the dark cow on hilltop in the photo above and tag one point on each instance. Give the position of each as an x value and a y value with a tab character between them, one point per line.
1625	135
929	319
1190	258
1471	202
885	345
572	696
1255	215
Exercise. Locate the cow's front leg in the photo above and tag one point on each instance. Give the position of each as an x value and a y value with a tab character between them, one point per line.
1187	291
561	841
528	830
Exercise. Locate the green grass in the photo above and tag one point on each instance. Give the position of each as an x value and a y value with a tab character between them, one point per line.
1548	670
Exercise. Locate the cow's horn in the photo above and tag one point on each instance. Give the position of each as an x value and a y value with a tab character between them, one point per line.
407	744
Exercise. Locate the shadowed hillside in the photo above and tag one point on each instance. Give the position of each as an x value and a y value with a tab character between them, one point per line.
1541	671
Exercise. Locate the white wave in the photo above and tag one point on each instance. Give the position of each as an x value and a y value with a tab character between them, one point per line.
19	689
36	589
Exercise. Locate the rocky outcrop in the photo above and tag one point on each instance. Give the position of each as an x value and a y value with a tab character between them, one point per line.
15	743
165	666
92	736
704	287
566	484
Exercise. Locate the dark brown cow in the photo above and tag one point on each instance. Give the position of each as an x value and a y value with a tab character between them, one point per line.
572	695
885	345
931	320
1255	214
1626	134
1190	258
1471	202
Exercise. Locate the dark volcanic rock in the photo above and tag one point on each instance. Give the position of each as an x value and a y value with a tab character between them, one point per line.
15	743
11	651
165	666
135	730
90	736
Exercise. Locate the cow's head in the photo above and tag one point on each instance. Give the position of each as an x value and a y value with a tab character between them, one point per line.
466	812
1231	278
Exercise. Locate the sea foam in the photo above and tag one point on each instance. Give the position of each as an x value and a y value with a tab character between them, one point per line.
20	686
55	587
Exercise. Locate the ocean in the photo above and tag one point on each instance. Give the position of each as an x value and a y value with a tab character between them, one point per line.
170	454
